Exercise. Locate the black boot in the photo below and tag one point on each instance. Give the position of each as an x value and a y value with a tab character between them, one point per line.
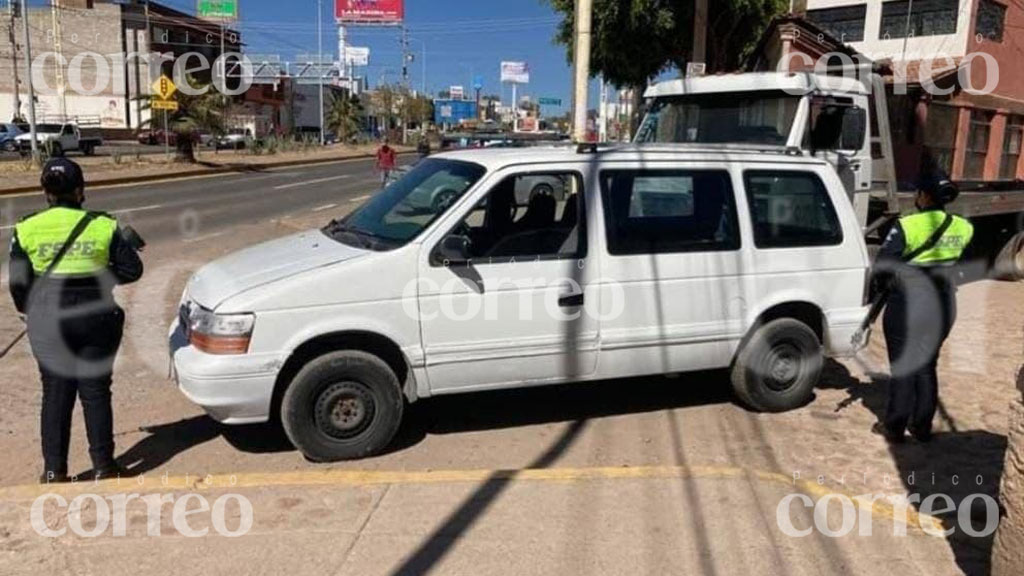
110	471
890	436
51	477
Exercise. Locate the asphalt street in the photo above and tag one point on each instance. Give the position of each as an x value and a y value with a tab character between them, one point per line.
200	207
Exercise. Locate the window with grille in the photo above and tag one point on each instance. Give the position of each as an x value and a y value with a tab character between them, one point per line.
940	134
846	23
927	18
977	144
1011	148
991	20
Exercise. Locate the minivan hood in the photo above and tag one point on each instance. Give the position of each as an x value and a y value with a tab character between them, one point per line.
266	263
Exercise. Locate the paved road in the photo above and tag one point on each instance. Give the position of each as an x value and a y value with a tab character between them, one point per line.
184	209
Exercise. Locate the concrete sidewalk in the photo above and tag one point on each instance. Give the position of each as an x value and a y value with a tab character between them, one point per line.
550	521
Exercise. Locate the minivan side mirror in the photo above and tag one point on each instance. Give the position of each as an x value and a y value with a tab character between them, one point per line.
454	249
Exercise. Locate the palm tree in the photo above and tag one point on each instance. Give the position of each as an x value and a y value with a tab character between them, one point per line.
203	112
344	117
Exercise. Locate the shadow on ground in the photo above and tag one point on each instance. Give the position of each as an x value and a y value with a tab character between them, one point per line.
453	414
957	463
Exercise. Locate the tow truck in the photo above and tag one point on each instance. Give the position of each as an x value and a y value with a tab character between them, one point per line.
842	119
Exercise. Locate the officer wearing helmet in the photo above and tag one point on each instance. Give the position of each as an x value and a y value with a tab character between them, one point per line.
915	264
65	262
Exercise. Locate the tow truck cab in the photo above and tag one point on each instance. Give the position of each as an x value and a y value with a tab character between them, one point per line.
797	113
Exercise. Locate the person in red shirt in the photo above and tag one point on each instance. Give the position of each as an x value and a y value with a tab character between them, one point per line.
385	162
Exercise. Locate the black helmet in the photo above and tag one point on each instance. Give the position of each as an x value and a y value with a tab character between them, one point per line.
61	177
943	192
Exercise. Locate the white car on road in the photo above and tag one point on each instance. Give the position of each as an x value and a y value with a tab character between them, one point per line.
655	260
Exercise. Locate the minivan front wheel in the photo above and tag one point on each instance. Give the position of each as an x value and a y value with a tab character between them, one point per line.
342	406
779	366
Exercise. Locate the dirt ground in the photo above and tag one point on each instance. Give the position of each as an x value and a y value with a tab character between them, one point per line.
686	420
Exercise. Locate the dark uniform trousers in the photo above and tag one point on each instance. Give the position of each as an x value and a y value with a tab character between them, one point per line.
75	341
918	318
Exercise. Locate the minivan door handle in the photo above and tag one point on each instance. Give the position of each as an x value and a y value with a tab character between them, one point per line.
571	300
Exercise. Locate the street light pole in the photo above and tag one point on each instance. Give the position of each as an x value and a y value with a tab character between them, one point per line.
319	64
31	89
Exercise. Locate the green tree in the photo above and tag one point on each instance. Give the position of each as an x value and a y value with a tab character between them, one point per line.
635	40
345	117
204	112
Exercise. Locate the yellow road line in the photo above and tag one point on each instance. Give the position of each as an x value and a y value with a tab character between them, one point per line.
356	478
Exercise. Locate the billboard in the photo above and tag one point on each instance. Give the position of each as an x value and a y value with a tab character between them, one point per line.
457	92
357	55
217	9
453	112
515	72
369	11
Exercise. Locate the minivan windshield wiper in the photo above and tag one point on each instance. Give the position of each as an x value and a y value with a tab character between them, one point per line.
365	239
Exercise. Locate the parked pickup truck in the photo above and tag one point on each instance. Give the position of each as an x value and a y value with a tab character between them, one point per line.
61	138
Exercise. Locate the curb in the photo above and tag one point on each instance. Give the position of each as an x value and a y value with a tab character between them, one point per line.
237	169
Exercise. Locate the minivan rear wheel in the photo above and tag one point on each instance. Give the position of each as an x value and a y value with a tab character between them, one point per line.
779	366
342	406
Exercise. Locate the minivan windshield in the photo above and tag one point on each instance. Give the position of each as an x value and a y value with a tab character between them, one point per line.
408	206
763	117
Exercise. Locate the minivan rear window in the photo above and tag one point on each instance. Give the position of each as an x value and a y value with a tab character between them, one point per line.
790	210
665	211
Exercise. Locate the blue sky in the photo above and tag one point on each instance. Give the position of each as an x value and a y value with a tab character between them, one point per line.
462	38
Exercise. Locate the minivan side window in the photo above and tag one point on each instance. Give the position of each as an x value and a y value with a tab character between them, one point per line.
666	211
528	216
790	210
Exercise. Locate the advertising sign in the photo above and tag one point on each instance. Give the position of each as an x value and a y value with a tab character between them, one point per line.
369	11
515	72
457	92
217	9
357	56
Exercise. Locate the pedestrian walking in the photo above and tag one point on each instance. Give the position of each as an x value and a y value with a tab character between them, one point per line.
64	263
916	267
386	161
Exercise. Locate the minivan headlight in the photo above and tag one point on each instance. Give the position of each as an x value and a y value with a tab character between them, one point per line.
221	334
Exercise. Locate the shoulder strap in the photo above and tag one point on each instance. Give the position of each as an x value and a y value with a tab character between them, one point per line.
932	240
75	233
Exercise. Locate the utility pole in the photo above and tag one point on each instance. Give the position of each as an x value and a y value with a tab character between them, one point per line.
31	89
58	70
700	32
584	16
319	65
13	7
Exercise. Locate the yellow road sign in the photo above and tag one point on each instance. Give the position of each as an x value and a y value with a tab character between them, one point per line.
163	105
164	88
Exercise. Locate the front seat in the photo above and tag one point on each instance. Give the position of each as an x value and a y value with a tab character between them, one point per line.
540	213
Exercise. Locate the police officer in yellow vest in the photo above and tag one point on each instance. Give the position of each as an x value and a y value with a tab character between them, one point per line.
74	325
916	262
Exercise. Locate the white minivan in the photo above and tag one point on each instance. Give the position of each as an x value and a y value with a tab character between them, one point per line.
656	259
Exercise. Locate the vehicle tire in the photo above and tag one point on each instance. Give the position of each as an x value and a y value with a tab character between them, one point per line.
88	150
342	406
10	146
443	200
778	367
57	150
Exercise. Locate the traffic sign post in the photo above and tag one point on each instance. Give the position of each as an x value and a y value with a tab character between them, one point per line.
549	101
163	90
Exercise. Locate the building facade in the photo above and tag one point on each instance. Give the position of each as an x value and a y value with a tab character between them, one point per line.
958	95
86	58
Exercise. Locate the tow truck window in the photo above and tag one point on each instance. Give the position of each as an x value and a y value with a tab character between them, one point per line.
408	206
667	211
791	209
753	117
